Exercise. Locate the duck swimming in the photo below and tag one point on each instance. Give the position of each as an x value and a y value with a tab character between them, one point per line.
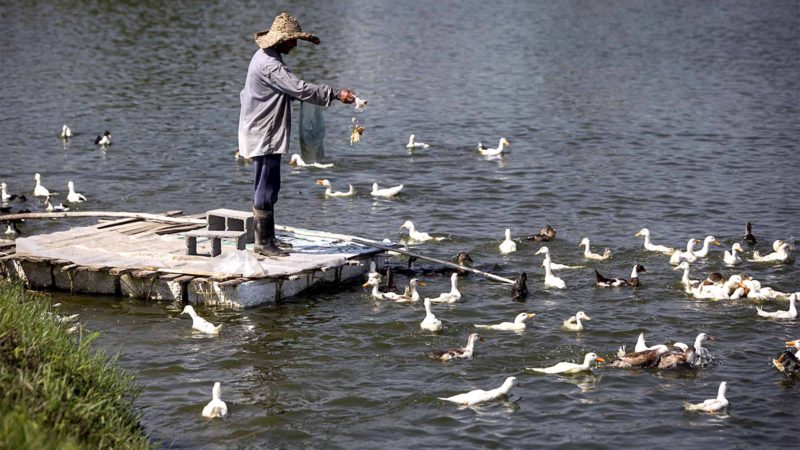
39	190
587	253
790	314
216	407
602	281
546	234
519	290
787	362
550	279
418	235
413	144
574	323
104	139
517	325
74	197
652	247
731	258
641	345
66	133
688	284
297	161
554	265
410	295
462	352
385	192
781	255
200	324
49	207
568	367
703	252
680	355
508	246
748	237
493	151
430	322
712	405
480	396
646	358
688	255
449	297
329	192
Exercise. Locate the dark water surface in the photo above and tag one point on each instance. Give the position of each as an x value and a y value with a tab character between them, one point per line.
680	116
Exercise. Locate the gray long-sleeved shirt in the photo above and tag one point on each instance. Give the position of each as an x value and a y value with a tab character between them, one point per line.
265	120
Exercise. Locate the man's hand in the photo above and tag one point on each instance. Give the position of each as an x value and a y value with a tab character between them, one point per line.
347	96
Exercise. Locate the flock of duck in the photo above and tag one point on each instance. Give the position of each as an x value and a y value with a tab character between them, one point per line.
659	356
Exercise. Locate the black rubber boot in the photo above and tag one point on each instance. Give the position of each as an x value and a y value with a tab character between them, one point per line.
278	243
264	230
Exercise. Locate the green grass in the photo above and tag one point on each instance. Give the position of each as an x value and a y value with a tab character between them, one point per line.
56	389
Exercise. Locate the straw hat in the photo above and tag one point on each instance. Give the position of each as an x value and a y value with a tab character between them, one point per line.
284	28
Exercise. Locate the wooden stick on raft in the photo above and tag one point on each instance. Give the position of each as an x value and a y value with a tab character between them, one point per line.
382	246
144	216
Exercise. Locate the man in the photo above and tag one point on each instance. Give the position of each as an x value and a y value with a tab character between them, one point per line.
265	120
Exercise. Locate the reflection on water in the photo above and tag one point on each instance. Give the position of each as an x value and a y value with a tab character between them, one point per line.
681	117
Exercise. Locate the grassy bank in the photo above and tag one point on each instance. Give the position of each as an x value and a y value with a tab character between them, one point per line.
56	389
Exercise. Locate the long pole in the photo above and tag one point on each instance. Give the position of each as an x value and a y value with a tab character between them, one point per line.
58	215
382	246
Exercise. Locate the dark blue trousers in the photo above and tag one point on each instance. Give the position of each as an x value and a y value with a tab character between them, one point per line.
268	181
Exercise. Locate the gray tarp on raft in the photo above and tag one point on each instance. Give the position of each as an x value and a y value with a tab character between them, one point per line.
92	247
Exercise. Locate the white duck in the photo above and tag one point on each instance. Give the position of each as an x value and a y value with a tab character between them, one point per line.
4	195
517	325
652	247
554	265
449	297
508	246
216	407
200	324
688	255
74	197
410	295
412	143
642	346
790	314
711	405
587	253
11	232
385	192
754	290
480	396
782	254
550	279
568	367
374	281
49	207
493	151
297	161
418	236
702	355
430	322
39	190
329	192
731	258
574	323
66	133
703	252
464	352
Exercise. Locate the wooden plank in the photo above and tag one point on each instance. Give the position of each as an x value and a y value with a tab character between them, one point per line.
169	276
143	273
70	214
113	223
69	267
234	282
117	271
184	278
172	229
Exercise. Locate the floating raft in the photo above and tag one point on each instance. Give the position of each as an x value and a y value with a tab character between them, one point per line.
147	258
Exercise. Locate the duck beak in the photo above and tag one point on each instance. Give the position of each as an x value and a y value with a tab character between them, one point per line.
790	343
710	338
480	338
587	318
638	234
599	359
319	182
716	243
531	315
420	283
365	284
